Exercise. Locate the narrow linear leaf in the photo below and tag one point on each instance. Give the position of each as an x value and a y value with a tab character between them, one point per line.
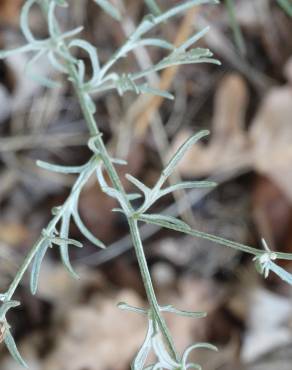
109	9
64	249
152	42
59	168
92	52
181	152
118	161
138	184
184	57
126	307
202	235
181	8
84	230
133	196
283	274
24	21
192	40
198	346
36	265
174	310
22	49
151	21
188	185
162	354
161	218
153	91
141	357
12	348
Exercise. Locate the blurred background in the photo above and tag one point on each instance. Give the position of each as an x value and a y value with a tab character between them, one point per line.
247	105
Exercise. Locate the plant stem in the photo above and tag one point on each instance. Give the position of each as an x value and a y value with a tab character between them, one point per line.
13	286
133	224
134	229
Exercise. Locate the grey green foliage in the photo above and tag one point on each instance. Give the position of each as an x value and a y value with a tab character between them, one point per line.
59	48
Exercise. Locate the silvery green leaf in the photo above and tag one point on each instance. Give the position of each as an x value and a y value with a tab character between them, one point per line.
152	42
152	5
59	241
92	52
186	57
164	359
174	310
187	185
109	9
84	230
200	234
6	306
164	219
36	265
182	7
11	346
67	35
118	161
141	357
196	346
118	210
146	89
22	49
64	243
126	307
100	178
133	196
59	168
149	22
181	152
53	31
192	40
138	184
24	21
2	297
283	274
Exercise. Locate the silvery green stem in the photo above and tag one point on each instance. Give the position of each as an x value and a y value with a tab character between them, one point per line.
26	263
105	157
134	229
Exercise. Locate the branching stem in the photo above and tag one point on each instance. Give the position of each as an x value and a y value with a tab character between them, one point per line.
134	229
